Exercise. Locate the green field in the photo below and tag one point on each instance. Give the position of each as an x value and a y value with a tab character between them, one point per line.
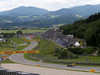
8	61
18	48
81	59
47	47
6	48
17	41
24	31
23	38
7	43
14	39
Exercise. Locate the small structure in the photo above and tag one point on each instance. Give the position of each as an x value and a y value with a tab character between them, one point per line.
71	36
77	44
2	40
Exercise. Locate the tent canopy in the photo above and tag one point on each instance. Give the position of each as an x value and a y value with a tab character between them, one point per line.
77	44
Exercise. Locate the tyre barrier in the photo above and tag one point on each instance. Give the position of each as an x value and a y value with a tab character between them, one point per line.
10	72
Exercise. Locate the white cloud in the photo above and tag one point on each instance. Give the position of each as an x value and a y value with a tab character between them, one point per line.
46	4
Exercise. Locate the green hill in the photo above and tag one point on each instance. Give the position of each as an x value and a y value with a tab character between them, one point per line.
33	16
88	29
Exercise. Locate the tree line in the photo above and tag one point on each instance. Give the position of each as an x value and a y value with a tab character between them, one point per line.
88	29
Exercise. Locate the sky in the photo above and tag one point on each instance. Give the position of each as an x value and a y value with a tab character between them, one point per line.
50	5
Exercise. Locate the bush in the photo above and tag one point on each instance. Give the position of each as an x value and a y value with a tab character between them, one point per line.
76	56
57	50
8	35
99	52
81	51
65	54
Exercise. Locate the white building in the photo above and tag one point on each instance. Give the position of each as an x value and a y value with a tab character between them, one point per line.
2	40
71	36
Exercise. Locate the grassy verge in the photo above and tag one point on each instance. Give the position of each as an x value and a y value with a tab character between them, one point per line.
8	61
18	49
7	43
17	41
76	64
45	47
81	59
6	48
23	38
27	57
21	47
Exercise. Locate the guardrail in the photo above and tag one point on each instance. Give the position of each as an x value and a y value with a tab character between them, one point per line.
65	62
72	62
11	72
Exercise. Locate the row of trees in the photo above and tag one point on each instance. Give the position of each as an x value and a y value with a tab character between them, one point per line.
9	35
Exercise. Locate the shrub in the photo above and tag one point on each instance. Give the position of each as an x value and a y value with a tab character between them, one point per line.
81	51
65	54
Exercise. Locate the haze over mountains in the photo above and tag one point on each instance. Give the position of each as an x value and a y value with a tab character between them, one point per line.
33	16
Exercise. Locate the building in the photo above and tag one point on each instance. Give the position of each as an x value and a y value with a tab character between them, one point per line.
2	40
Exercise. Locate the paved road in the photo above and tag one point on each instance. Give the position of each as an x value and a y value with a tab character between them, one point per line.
43	71
20	59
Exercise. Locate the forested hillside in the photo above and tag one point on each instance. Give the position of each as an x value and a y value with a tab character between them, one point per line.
33	16
88	29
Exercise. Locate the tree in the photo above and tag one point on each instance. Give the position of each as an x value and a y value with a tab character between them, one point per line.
98	39
65	54
90	37
19	33
8	35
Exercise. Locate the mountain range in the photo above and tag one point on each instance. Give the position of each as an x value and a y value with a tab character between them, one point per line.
33	16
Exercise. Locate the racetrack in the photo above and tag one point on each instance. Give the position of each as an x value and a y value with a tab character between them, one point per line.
20	59
44	71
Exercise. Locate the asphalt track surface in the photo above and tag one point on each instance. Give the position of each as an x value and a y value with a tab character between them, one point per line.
20	59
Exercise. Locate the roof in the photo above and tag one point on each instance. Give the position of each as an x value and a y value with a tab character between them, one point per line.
1	39
77	44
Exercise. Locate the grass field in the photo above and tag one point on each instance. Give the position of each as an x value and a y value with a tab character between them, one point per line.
47	47
23	38
91	59
24	31
18	49
17	41
21	47
7	43
14	39
8	61
6	48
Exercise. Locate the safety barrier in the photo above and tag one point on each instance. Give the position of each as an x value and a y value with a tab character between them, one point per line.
10	72
72	62
65	62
